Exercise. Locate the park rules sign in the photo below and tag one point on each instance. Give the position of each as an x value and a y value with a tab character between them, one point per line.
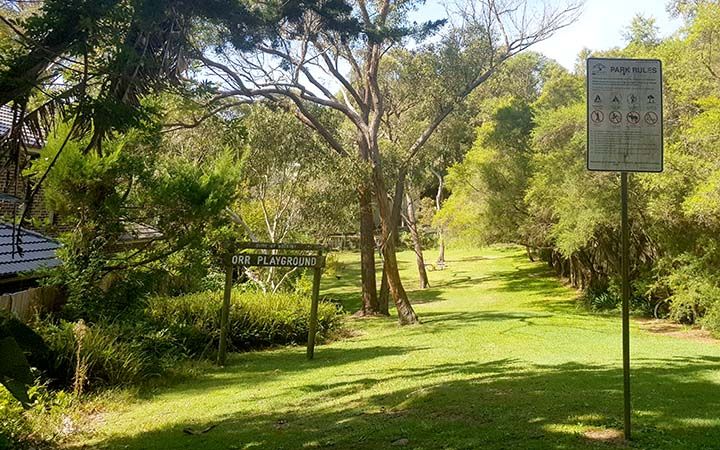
624	115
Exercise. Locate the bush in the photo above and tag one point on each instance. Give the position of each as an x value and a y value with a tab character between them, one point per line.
43	423
111	354
256	319
694	291
711	321
170	329
607	296
604	300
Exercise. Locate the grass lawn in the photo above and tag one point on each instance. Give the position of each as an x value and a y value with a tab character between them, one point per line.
503	360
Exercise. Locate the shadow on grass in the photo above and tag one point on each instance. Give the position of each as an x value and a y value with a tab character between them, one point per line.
246	369
489	405
536	278
439	291
449	321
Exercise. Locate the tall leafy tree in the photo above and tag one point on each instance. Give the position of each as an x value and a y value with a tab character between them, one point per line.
93	62
292	71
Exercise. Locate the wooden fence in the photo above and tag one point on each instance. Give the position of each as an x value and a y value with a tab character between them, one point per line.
25	304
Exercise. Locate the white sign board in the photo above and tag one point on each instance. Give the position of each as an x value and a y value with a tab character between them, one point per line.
624	115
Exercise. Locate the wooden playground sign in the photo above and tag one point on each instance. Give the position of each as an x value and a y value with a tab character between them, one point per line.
262	260
310	255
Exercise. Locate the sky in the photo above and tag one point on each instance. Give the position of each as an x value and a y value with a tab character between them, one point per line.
600	26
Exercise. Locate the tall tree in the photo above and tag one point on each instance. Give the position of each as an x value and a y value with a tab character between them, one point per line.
107	55
92	62
294	71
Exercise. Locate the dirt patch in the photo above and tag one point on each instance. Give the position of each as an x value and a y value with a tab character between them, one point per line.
606	436
658	326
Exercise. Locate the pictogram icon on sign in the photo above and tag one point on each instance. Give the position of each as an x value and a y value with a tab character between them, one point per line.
632	99
651	117
616	99
633	117
597	116
597	99
598	68
651	99
615	117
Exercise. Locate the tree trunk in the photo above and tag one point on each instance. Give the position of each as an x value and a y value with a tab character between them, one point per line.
438	203
370	303
529	253
384	297
417	243
406	314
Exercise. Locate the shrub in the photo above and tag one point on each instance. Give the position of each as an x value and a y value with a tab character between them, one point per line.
711	321
170	329
256	319
14	428
604	300
111	354
694	291
38	426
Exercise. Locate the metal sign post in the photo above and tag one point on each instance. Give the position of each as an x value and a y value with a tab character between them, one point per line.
316	260
625	269
624	134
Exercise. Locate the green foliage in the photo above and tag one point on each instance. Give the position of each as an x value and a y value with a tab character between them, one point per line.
29	412
492	177
145	343
101	38
111	354
642	32
294	188
43	424
538	192
20	347
257	320
132	185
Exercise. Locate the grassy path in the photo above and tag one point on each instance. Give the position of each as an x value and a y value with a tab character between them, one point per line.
503	360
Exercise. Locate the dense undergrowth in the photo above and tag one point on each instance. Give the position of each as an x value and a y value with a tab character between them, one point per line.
148	344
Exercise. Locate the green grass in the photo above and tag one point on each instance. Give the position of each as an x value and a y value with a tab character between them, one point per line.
503	360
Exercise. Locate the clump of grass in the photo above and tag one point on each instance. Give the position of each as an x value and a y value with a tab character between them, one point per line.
257	320
172	329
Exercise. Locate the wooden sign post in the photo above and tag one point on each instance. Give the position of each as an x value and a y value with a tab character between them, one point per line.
300	255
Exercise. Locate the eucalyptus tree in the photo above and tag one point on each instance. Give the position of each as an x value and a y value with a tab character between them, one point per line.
95	60
304	66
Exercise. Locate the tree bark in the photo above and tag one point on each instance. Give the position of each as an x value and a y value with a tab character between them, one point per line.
438	203
384	297
406	314
367	254
529	253
417	243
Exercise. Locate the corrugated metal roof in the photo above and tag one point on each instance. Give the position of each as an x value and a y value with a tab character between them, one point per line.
37	251
139	232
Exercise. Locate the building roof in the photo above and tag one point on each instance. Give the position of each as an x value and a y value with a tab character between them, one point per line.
6	120
138	232
35	251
